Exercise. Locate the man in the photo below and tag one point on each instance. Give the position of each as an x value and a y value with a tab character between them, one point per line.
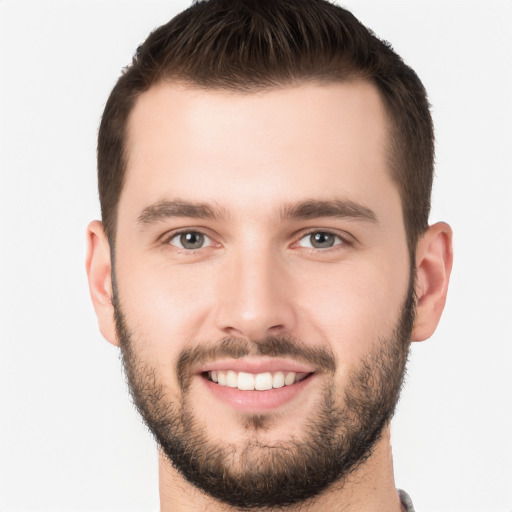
264	257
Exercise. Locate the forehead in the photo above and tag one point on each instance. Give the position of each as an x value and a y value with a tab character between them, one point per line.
284	144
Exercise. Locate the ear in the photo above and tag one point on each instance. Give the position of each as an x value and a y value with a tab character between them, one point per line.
434	256
99	274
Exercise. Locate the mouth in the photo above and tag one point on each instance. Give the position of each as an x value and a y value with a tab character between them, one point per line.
256	387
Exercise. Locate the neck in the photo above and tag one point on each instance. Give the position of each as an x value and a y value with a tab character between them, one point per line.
370	488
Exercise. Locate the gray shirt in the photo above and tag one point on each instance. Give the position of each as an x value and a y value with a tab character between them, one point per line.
407	505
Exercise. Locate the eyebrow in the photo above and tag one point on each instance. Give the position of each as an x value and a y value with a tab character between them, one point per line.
301	210
336	208
163	210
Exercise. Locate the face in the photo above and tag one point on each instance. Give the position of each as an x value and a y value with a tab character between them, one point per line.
262	284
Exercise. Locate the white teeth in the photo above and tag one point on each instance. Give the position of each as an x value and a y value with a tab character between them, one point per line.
263	381
289	379
260	381
278	380
231	379
246	381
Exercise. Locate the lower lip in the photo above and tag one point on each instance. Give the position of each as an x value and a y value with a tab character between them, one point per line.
257	401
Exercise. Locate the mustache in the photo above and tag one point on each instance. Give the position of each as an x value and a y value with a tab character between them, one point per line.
273	346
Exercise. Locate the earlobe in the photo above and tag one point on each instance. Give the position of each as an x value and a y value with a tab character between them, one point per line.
99	274
434	256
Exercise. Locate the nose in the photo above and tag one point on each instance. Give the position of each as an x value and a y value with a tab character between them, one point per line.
255	297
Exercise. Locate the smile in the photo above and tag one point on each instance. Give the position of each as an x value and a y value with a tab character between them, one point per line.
256	385
260	381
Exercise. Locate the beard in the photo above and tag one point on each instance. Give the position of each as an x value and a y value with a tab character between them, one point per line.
339	432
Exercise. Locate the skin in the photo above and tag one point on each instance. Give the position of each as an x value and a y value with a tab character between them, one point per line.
249	156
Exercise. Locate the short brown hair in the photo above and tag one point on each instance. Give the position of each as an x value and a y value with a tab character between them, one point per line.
250	45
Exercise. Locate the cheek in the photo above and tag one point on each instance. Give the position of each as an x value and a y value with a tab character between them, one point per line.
352	307
163	309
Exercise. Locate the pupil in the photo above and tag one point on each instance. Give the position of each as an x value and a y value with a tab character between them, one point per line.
192	240
322	240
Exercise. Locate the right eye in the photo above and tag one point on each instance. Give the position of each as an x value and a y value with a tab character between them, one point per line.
190	240
321	240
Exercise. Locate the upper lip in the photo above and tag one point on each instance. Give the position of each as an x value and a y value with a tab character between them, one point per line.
256	365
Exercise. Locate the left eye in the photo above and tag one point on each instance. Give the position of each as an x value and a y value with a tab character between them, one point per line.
190	240
320	240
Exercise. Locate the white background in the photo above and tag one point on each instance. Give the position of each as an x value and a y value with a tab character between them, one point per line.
69	437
